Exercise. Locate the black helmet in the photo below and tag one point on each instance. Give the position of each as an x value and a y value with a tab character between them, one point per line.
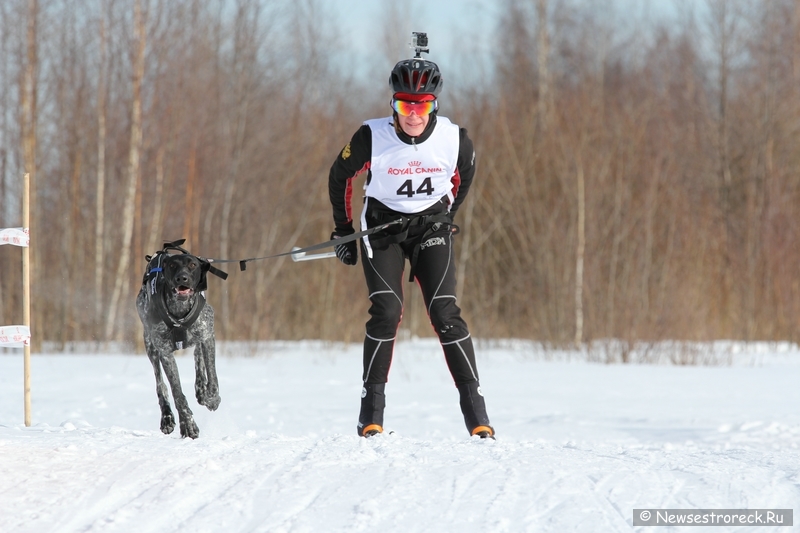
416	76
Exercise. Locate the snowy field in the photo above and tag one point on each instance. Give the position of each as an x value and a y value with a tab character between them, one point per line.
580	444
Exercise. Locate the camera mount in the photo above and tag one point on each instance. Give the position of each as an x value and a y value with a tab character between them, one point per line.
419	42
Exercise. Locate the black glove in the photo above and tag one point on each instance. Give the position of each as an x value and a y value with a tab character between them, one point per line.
347	252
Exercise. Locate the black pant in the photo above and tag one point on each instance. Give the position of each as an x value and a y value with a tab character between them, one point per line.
435	273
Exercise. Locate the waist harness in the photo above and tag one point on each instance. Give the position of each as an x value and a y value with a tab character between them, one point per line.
426	224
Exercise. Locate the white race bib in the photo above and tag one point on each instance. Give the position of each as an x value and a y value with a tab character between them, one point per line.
411	178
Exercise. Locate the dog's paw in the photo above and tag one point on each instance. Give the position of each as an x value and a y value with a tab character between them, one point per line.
167	424
212	402
189	428
208	398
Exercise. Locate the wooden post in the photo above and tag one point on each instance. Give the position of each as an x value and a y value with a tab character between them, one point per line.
26	294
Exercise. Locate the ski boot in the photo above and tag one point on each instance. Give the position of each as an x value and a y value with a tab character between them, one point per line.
473	407
373	402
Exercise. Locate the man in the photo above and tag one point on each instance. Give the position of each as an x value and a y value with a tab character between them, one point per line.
420	167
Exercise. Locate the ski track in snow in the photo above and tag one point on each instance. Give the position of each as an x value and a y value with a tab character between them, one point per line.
579	445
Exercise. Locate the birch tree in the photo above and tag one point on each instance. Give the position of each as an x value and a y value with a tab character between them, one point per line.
122	276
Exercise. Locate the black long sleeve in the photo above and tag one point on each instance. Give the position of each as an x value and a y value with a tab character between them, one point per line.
466	168
351	161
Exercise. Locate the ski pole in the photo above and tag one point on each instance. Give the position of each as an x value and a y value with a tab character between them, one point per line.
303	256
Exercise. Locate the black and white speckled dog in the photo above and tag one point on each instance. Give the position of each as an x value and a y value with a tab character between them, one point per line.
175	315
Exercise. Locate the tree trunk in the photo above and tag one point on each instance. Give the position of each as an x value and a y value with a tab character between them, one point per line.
579	256
122	276
100	186
543	39
28	102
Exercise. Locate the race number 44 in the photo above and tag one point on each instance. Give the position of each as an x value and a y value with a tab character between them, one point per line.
407	188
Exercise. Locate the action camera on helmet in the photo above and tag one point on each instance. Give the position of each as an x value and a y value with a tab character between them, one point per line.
419	42
416	75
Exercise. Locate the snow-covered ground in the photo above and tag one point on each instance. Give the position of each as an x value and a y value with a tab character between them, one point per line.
580	444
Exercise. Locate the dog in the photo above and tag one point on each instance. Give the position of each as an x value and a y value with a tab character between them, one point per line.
175	315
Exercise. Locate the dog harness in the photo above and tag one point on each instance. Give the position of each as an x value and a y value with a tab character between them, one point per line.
157	295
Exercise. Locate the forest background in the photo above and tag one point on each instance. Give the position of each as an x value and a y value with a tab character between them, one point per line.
637	180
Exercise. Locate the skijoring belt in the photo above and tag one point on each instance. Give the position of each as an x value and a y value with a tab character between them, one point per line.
431	224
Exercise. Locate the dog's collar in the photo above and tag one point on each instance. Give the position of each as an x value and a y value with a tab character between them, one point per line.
178	327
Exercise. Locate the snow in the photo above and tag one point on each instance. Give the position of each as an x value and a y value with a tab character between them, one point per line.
579	446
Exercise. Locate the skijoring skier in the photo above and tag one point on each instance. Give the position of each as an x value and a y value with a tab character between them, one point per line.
419	168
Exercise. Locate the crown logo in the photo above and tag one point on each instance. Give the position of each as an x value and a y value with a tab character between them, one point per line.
414	163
